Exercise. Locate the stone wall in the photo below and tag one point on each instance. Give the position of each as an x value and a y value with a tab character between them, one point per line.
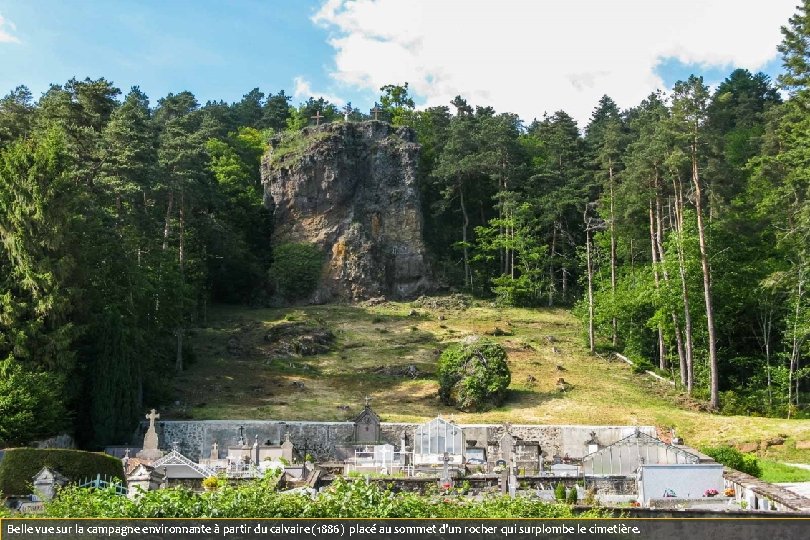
195	437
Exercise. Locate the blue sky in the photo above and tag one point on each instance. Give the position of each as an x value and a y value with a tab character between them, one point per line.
525	57
216	49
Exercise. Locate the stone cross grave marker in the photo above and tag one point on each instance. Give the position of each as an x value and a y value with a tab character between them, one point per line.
513	481
150	440
445	481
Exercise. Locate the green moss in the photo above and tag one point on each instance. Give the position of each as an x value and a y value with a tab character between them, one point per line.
19	465
293	145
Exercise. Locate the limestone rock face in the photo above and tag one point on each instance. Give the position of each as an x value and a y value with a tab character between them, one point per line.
350	189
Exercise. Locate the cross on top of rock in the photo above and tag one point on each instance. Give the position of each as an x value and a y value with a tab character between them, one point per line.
376	110
347	110
317	117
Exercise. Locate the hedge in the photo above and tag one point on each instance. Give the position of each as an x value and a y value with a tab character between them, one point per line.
19	465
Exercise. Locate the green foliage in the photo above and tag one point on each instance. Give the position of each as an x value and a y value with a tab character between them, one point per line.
571	497
473	376
733	458
559	492
257	499
210	482
19	465
30	404
295	270
121	222
775	472
292	144
397	104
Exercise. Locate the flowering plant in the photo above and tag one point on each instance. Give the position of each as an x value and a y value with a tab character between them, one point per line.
728	492
710	493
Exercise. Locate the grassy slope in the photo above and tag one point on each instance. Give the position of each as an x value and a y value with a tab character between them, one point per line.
255	386
779	472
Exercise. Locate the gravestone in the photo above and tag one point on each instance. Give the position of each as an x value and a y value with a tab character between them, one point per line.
507	445
287	448
150	451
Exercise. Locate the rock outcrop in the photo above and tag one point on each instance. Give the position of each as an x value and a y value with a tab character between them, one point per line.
350	189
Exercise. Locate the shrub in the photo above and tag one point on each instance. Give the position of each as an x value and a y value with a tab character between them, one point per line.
733	458
212	482
559	491
572	496
258	499
19	465
30	404
295	270
473	376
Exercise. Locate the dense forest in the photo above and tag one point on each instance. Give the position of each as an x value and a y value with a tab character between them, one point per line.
678	229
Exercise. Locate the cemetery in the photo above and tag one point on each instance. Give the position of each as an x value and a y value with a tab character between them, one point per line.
607	466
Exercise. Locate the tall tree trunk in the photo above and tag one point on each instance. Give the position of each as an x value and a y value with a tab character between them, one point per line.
765	320
178	365
167	224
465	224
551	287
591	336
614	321
654	251
659	242
795	352
687	315
714	401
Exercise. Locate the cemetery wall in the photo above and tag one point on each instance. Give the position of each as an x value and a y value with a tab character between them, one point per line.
195	437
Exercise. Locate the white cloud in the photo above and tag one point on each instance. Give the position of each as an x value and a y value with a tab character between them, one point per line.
303	90
6	27
531	57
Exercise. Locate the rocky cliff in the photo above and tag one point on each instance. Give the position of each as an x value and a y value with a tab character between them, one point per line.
350	189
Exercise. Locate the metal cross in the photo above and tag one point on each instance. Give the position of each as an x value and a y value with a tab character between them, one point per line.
317	118
376	110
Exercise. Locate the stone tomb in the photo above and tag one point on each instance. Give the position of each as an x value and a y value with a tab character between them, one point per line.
682	481
143	478
45	483
367	426
368	453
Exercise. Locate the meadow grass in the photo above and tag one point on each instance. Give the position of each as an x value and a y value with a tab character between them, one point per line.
543	345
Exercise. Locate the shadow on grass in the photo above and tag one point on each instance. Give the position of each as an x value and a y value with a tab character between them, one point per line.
524	397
